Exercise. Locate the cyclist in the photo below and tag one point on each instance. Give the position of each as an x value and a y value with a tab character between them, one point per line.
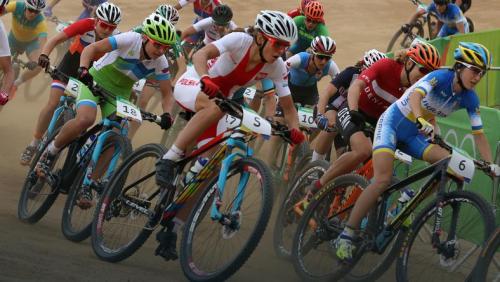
28	34
367	98
172	15
411	119
214	27
310	25
334	97
89	7
306	69
234	61
451	19
300	10
202	9
129	57
5	64
82	33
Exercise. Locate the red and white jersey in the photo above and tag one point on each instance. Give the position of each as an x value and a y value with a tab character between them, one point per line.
83	32
383	87
210	28
228	70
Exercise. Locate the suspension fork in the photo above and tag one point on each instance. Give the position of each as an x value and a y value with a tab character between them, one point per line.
436	232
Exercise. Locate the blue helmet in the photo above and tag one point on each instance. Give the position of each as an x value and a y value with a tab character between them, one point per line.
473	54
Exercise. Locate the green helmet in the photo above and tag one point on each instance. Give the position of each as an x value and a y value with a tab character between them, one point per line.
159	29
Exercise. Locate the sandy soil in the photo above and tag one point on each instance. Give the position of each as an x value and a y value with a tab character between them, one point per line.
40	252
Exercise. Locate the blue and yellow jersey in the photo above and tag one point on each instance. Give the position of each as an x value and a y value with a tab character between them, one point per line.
440	100
23	29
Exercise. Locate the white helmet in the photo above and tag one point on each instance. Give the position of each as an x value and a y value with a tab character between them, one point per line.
323	45
168	12
109	13
35	4
371	56
277	25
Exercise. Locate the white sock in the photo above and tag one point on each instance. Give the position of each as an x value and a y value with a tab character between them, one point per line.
317	156
35	142
173	154
53	150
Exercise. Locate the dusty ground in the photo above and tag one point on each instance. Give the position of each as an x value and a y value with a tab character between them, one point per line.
39	252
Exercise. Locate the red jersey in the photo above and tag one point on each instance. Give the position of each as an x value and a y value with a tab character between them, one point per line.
382	88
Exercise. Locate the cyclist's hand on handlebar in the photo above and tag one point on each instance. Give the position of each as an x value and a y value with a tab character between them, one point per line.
424	126
321	121
4	98
84	76
494	170
166	121
44	61
296	136
208	86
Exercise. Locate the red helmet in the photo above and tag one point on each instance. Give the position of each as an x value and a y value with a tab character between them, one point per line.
314	10
425	54
303	4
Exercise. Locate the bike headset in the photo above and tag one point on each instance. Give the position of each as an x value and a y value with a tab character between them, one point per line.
276	25
423	54
473	54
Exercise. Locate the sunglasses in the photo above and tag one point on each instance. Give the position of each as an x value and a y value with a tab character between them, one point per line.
276	43
33	11
476	70
312	21
105	25
221	24
421	68
158	45
323	57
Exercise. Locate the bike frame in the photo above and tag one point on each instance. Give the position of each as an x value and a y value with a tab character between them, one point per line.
65	104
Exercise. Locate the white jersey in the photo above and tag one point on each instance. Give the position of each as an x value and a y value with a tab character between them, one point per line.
210	28
4	42
229	73
125	58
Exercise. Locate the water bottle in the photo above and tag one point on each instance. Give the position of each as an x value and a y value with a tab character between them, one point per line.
85	147
198	165
406	196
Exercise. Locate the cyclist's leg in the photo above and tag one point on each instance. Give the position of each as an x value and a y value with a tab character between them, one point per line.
324	141
5	62
56	91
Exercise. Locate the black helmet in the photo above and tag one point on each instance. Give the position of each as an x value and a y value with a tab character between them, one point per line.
441	2
222	15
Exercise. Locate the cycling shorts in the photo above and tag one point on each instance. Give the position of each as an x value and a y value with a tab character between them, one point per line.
69	66
87	98
20	47
395	130
303	95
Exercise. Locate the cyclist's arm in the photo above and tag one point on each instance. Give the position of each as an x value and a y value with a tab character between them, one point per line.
415	101
483	146
201	57
53	42
167	98
99	47
460	27
291	116
42	40
324	96
188	32
354	92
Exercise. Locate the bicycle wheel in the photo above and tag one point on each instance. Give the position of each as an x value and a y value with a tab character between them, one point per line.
38	194
313	252
120	226
483	271
402	40
76	220
211	251
447	260
288	214
471	24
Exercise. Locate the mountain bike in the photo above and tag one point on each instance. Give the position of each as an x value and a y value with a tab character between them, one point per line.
320	225
233	206
424	27
86	162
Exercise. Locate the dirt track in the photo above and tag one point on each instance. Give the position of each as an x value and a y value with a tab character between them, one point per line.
40	252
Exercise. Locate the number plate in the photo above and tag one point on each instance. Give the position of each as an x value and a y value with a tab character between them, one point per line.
74	87
231	122
139	85
249	93
126	109
461	165
255	123
306	117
